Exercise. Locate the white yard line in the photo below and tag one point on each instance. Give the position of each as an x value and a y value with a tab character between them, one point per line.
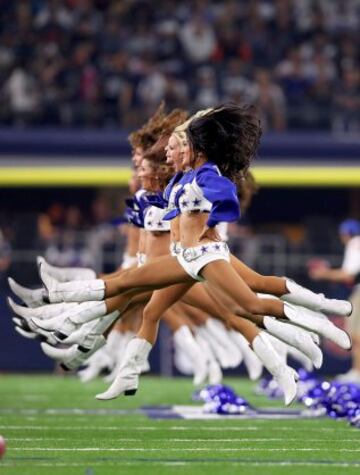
181	449
176	428
121	463
176	440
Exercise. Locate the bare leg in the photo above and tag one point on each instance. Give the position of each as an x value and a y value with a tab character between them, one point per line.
160	273
125	304
159	303
186	312
197	316
228	302
257	282
198	297
248	329
122	302
112	275
224	276
290	291
173	319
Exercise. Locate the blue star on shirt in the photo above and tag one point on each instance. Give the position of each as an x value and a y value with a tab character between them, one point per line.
217	247
149	223
203	249
184	204
196	202
160	224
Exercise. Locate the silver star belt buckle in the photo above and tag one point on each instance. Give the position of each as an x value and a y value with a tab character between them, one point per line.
190	254
175	248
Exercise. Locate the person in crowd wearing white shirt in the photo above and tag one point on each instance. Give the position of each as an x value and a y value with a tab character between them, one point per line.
349	231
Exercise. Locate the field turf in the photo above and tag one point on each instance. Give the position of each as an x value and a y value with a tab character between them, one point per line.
49	432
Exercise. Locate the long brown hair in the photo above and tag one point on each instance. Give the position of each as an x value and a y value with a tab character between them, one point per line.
247	188
156	157
156	154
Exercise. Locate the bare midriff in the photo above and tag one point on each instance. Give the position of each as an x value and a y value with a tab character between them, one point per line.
157	244
175	229
191	227
142	241
133	234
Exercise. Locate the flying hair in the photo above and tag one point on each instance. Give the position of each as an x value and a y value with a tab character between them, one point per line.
228	136
180	130
247	188
156	154
160	123
147	135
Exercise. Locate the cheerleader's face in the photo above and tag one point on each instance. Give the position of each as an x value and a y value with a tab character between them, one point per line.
173	153
187	159
147	176
137	156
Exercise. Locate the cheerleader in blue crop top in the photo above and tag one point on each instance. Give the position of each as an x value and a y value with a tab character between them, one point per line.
208	199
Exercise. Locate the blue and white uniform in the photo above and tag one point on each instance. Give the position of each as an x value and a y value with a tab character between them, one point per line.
134	213
203	190
154	220
171	194
143	213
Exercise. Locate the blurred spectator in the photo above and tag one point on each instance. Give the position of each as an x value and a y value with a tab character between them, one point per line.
50	222
320	101
152	87
101	237
270	99
347	54
117	89
349	231
103	63
341	15
54	12
198	40
5	259
68	247
22	93
347	102
295	78
169	50
5	253
235	83
206	91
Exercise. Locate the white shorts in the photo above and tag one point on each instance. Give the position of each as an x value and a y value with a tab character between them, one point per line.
141	259
193	259
128	261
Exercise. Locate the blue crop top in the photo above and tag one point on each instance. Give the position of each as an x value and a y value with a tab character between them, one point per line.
203	189
206	190
143	211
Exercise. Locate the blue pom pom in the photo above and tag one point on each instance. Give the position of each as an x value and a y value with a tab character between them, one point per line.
220	399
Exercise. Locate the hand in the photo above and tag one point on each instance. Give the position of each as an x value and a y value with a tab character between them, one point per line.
318	273
317	268
209	233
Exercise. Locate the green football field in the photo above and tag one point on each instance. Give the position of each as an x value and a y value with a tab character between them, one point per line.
53	425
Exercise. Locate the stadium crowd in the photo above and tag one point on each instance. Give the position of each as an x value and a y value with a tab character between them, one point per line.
107	63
